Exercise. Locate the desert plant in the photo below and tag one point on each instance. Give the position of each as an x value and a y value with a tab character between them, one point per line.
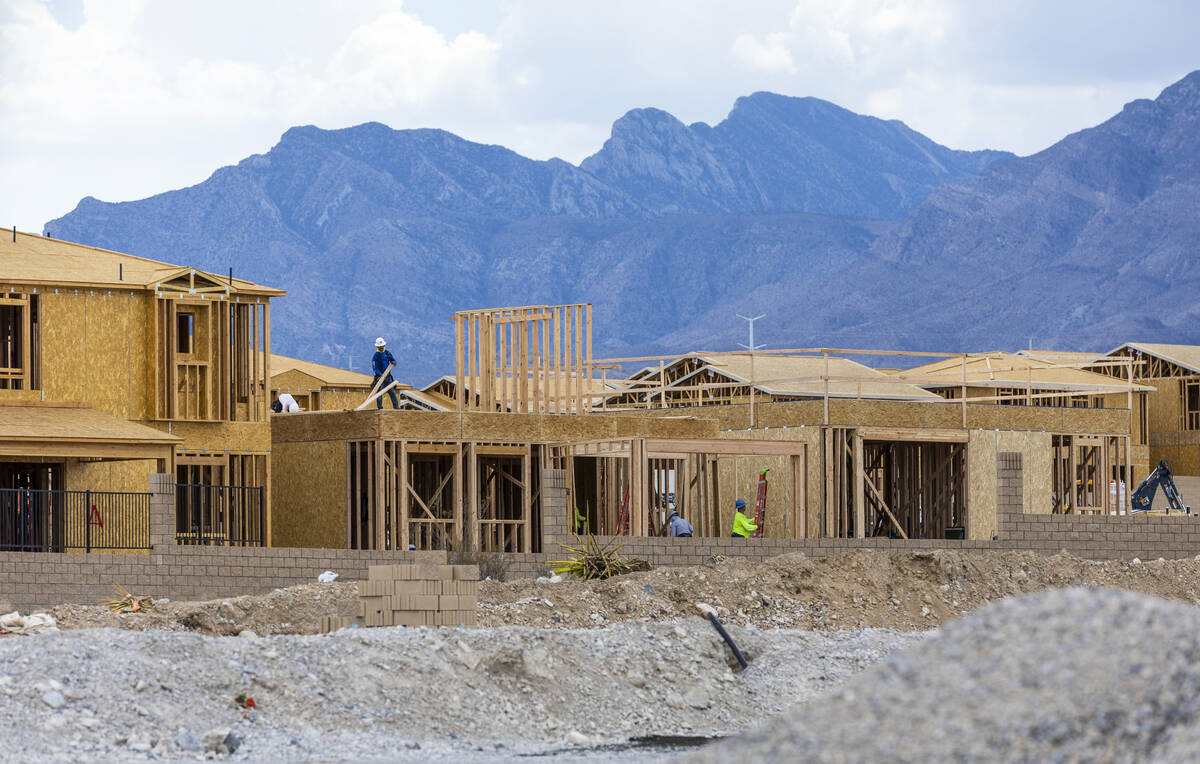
591	561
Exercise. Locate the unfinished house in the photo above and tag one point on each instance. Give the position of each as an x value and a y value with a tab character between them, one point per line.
1057	379
114	367
1170	414
849	452
317	387
726	379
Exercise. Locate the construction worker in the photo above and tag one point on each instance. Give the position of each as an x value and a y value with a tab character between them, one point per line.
679	526
285	403
379	364
742	525
580	522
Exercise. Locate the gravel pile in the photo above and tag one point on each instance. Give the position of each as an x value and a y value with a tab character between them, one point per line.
484	693
1068	675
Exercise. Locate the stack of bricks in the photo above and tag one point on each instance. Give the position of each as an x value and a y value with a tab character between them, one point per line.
419	595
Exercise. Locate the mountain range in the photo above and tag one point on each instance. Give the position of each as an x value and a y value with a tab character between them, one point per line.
844	229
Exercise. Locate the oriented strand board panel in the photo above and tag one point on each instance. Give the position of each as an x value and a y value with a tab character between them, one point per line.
308	495
304	427
63	322
1184	458
1163	406
673	426
346	399
733	477
142	358
107	356
1036	465
981	485
419	425
1108	421
486	426
294	381
220	437
132	476
982	448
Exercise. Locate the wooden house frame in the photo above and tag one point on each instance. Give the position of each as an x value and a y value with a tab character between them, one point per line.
317	387
1172	409
171	349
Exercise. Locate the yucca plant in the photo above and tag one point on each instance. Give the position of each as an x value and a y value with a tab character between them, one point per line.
127	603
591	562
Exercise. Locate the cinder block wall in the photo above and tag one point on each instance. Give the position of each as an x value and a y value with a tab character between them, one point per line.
31	581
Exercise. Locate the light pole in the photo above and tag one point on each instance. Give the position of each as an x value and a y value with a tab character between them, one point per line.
751	347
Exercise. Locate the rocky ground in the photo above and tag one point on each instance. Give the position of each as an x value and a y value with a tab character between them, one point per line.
485	693
891	590
575	670
1074	675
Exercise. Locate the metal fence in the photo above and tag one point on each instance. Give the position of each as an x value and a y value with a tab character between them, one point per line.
34	520
229	515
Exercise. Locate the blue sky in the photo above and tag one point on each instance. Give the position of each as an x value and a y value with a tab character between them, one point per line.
121	99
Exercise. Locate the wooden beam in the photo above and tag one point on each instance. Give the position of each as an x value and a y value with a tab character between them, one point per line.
405	509
458	498
526	503
931	435
658	446
883	505
860	507
459	395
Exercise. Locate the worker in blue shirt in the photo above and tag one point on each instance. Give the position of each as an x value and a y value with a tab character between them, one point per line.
379	364
679	526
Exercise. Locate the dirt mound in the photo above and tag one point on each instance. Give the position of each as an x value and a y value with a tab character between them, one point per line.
294	610
897	590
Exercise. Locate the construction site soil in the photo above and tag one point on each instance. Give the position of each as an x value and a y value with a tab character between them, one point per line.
578	670
910	591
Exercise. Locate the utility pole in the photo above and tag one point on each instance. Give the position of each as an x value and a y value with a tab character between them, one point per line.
751	347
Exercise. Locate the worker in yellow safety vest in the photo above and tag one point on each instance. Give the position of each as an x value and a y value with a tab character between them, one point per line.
742	525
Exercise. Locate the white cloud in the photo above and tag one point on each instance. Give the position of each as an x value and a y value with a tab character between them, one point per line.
135	97
770	54
109	95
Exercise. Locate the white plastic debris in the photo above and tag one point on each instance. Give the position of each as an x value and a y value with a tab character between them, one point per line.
705	608
40	621
29	624
549	579
327	577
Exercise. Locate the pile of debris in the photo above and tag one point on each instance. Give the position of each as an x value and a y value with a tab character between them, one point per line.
15	624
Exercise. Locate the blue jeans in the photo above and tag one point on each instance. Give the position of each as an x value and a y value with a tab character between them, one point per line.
391	394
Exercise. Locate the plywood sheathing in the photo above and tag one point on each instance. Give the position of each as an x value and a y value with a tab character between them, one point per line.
308	479
786	517
729	378
38	260
981	469
330	376
219	437
478	426
1010	371
948	415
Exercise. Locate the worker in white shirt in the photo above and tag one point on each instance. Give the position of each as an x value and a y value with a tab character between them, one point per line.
285	403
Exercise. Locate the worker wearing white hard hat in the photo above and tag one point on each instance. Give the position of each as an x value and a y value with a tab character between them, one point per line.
381	365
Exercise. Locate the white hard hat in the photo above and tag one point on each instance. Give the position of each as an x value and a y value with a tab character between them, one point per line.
379	342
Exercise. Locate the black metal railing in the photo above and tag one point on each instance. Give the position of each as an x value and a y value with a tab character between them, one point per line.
229	515
34	520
